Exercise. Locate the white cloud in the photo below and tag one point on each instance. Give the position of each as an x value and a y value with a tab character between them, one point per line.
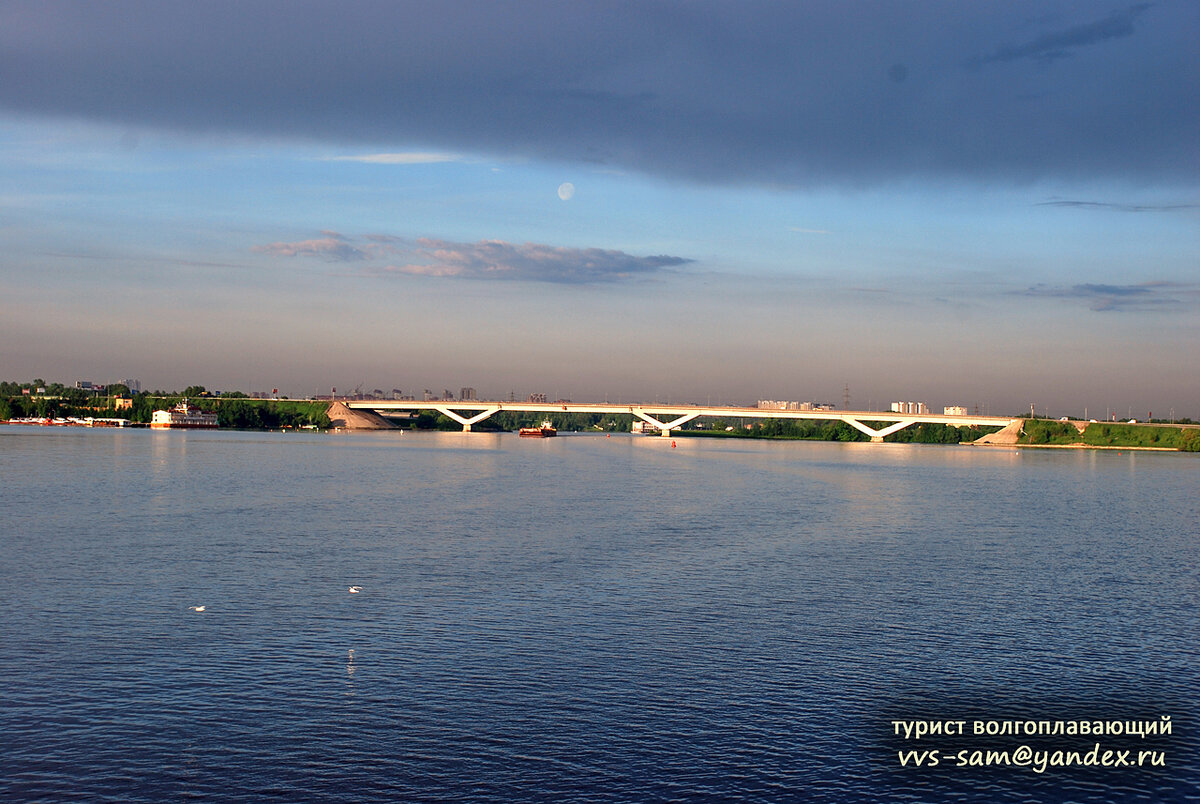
409	158
332	247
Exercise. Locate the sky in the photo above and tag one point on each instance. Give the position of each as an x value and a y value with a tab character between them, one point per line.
988	204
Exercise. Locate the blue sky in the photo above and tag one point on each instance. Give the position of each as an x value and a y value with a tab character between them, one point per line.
988	204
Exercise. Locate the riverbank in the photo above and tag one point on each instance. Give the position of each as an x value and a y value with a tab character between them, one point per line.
1026	433
1107	435
233	412
1092	447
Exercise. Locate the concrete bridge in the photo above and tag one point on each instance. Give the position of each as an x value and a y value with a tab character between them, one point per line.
669	417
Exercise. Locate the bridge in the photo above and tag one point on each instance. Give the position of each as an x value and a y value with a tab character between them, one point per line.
669	417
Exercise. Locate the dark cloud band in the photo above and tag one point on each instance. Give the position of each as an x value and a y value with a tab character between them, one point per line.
1063	43
778	93
1144	297
1114	207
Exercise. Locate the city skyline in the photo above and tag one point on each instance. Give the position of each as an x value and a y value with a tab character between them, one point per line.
995	204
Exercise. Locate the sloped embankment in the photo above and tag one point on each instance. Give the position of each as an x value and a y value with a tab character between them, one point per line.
349	419
1007	436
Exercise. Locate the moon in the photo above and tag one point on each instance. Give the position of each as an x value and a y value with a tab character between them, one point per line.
566	190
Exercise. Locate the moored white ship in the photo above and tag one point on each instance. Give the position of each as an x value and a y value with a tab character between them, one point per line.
183	417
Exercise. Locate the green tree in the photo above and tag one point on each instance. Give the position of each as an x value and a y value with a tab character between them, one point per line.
45	408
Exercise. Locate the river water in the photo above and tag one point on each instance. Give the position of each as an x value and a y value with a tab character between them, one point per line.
585	618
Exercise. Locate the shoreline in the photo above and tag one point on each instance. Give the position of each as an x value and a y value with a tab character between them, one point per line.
130	425
1077	446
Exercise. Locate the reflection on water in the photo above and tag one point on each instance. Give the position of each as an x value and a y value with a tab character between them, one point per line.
577	618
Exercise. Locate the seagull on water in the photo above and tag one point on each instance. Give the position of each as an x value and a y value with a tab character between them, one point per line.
196	608
354	590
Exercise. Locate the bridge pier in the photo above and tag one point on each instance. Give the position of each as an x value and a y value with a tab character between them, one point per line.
877	436
465	422
664	428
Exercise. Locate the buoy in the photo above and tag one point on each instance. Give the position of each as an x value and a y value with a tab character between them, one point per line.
672	445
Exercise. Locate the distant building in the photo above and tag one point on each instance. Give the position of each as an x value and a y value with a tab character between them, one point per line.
537	399
912	408
397	394
954	410
776	404
427	396
466	395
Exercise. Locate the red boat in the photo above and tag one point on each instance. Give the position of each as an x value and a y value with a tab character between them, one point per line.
545	431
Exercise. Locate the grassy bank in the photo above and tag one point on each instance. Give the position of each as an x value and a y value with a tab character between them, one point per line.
1040	432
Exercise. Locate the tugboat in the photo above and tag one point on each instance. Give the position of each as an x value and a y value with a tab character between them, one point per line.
545	431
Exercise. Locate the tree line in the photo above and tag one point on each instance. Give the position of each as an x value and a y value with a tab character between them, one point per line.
232	408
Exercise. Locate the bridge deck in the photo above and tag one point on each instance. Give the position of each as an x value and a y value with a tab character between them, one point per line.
652	413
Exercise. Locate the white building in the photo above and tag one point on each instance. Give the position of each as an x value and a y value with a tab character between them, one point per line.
776	404
912	408
954	410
